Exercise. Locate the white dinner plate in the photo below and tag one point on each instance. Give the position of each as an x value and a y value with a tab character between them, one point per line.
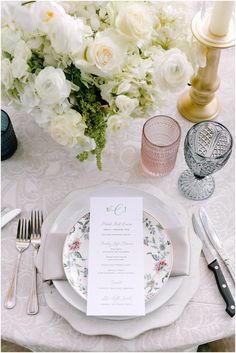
76	208
158	255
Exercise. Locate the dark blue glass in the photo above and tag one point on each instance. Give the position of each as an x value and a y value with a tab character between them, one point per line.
8	137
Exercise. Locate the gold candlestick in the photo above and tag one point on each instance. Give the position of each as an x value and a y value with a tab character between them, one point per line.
200	103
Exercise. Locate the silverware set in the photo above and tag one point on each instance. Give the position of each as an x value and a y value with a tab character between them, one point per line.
211	243
28	232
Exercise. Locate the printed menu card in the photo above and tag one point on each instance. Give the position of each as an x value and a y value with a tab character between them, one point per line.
116	257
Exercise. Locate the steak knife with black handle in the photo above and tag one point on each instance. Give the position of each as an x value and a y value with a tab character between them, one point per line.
216	240
214	266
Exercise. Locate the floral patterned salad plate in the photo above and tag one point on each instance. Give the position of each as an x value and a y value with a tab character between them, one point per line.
158	256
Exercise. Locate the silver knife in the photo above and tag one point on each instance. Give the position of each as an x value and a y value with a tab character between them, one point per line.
214	266
216	241
9	216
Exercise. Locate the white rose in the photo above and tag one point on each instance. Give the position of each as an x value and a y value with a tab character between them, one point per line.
22	51
172	70
67	128
52	86
117	123
106	53
19	67
126	104
9	39
134	21
6	74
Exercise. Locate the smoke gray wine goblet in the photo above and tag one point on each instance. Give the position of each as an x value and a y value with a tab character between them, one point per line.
207	147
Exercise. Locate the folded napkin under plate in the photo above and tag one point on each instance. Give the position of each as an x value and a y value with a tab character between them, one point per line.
50	265
164	315
49	261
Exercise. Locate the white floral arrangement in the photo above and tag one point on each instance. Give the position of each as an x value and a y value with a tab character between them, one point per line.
83	69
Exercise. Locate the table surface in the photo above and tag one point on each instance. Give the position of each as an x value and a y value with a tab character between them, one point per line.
41	173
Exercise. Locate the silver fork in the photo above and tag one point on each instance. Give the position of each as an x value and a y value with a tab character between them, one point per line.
36	223
22	243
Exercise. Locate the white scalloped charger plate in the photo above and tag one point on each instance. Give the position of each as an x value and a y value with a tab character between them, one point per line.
69	212
158	255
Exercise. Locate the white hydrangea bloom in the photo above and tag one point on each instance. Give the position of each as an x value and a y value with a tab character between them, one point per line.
137	54
19	67
117	122
6	74
134	21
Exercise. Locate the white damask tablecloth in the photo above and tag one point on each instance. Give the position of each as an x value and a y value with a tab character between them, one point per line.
42	173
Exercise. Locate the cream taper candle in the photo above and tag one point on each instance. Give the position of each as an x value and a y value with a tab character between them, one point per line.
220	17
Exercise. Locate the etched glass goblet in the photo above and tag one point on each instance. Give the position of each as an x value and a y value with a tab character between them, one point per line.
207	147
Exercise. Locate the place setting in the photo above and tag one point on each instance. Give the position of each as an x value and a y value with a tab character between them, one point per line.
117	166
117	253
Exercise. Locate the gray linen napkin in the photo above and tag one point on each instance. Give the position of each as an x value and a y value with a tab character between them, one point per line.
49	259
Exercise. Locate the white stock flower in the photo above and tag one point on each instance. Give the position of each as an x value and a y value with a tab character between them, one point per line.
58	33
172	70
19	67
9	39
67	34
126	104
134	21
77	35
25	17
67	128
106	54
52	86
46	12
22	51
117	123
6	74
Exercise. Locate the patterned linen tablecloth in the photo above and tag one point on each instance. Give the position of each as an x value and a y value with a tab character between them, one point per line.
42	173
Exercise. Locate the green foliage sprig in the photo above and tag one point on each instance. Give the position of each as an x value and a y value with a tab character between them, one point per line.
35	62
88	102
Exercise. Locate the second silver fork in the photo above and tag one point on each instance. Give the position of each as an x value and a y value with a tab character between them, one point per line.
36	223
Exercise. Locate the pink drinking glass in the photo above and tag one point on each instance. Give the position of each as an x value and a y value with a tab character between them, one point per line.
160	144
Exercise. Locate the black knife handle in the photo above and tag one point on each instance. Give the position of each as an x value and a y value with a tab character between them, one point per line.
223	287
